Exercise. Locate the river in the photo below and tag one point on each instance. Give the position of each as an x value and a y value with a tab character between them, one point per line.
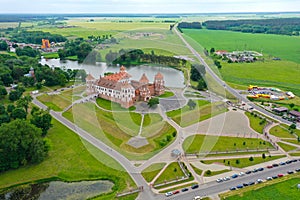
173	78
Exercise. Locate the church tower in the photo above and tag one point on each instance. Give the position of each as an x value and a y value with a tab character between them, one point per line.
159	84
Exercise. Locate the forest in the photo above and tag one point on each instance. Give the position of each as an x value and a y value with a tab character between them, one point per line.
281	26
35	37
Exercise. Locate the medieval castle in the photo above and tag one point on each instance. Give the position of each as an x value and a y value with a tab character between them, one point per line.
119	87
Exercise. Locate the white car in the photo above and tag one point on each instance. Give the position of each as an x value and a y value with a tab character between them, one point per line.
241	174
168	194
197	198
219	180
259	180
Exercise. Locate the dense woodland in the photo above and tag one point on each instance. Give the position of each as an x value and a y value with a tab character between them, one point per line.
137	56
282	26
193	25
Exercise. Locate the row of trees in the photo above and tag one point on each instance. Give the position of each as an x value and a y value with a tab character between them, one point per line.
192	25
282	26
35	37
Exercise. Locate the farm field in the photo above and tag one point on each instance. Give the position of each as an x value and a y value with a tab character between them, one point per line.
284	73
70	160
204	143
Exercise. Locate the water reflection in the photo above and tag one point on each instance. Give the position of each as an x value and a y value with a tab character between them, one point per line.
173	77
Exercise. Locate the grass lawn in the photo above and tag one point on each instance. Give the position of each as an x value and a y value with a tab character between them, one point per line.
70	160
172	172
295	131
55	102
281	189
284	73
213	173
243	162
153	123
109	105
293	141
204	143
197	170
167	94
204	110
256	123
50	55
281	132
286	147
116	128
150	172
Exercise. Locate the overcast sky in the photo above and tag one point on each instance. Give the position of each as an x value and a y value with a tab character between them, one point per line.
146	6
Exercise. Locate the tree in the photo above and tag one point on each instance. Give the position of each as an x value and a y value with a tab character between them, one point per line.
251	159
3	92
18	113
3	45
292	105
237	161
208	172
24	102
201	85
263	156
153	102
293	126
41	119
191	104
212	50
21	143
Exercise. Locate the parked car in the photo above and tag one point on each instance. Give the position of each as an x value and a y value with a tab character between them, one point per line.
260	169
248	172
239	186
275	165
197	198
270	166
168	194
184	189
245	184
297	170
226	178
176	192
288	162
269	178
219	180
282	163
290	172
194	186
280	175
274	177
241	174
251	183
233	188
234	176
259	180
255	170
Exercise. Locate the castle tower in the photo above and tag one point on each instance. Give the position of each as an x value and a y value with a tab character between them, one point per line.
159	84
90	81
144	90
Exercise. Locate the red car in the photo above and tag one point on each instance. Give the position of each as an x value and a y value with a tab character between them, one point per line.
280	175
269	166
176	192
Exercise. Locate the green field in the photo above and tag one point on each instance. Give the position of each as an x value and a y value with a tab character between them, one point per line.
283	74
70	160
204	143
150	172
172	172
281	132
256	123
213	173
204	110
286	147
243	162
280	189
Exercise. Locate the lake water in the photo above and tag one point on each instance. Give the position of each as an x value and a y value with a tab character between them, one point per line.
57	190
173	77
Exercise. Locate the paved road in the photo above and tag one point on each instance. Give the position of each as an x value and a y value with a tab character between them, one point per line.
213	188
223	84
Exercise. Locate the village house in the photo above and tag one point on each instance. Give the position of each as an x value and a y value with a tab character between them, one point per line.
119	87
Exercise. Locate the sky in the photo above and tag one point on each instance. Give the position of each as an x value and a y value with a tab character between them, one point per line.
147	6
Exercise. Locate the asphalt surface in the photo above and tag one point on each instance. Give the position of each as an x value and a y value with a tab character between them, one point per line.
212	188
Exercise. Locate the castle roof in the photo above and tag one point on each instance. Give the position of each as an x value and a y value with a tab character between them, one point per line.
144	79
159	76
89	77
118	76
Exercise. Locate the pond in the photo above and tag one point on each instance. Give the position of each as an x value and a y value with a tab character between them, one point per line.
173	77
57	190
